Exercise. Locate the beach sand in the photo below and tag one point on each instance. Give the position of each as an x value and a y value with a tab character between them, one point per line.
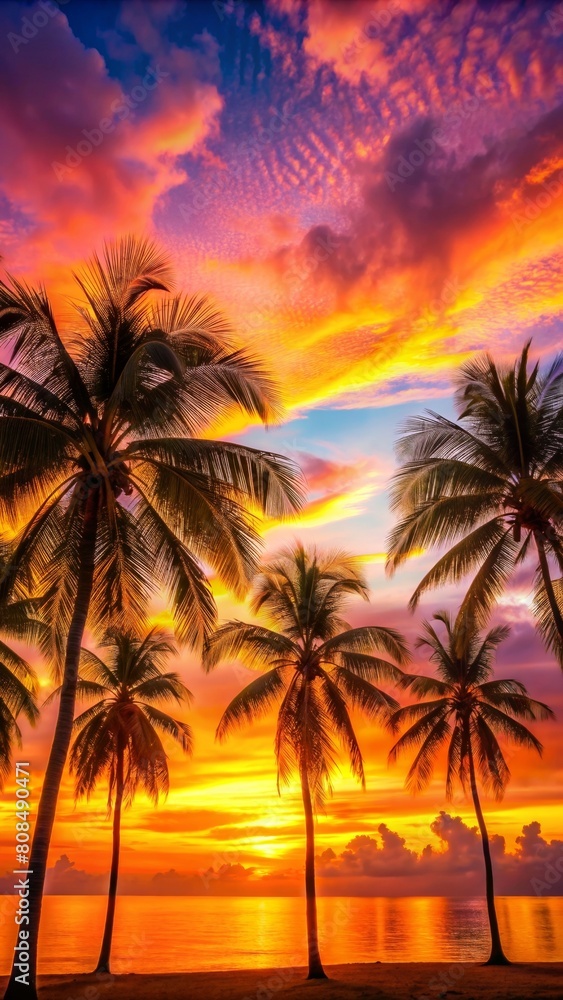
416	981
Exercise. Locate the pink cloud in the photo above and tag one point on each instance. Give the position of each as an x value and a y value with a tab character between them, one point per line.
536	867
89	155
351	37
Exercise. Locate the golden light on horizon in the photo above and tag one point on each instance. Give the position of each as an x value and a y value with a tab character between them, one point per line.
287	164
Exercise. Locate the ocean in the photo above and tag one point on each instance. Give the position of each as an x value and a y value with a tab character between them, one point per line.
193	933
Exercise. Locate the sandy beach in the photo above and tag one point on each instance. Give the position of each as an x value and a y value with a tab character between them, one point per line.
416	981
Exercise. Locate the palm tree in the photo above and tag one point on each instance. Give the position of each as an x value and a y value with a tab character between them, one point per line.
118	736
491	484
317	667
107	457
467	712
18	680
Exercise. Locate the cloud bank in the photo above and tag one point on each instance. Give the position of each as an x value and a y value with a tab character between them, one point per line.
380	865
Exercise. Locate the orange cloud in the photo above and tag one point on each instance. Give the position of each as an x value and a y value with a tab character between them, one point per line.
89	155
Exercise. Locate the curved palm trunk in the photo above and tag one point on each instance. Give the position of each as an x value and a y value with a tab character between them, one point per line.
103	961
26	989
497	956
316	970
548	584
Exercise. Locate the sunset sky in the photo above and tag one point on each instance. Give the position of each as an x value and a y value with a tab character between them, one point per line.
371	192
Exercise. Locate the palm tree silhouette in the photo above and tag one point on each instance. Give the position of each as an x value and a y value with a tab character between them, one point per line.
118	737
318	667
491	484
106	454
466	713
18	680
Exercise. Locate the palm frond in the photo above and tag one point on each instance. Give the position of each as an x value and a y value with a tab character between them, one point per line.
493	769
417	733
252	702
337	711
461	558
543	613
422	767
192	598
370	668
256	646
376	704
503	723
370	639
178	731
512	698
269	481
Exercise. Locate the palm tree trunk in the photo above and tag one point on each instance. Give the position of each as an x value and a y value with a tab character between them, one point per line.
548	584
103	961
497	956
316	970
27	990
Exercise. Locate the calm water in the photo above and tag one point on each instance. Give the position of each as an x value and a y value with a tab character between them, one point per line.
181	933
